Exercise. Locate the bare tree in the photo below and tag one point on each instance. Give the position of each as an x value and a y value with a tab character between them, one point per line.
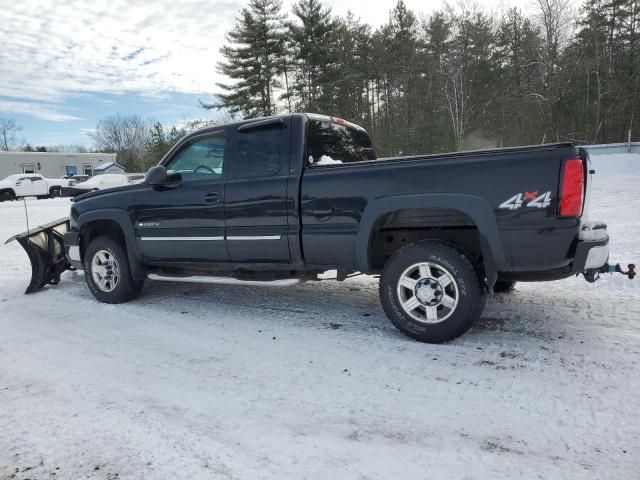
8	140
555	18
67	148
126	135
463	69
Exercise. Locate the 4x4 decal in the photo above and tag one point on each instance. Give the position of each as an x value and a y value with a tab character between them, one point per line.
527	199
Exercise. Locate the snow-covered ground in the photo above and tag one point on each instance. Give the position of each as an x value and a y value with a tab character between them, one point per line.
313	382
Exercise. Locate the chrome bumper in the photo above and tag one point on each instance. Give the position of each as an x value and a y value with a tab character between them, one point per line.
595	236
592	254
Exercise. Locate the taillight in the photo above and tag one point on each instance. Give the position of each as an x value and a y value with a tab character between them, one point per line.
571	188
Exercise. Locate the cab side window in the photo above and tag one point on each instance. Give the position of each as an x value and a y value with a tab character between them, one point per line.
258	153
200	160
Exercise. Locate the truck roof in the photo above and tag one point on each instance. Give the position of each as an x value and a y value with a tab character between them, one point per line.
309	116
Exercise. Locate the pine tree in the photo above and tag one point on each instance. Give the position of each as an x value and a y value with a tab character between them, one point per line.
310	41
401	68
436	134
160	142
253	60
517	116
350	94
457	79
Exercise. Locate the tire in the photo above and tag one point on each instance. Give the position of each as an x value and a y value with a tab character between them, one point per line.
6	197
504	286
443	283
117	285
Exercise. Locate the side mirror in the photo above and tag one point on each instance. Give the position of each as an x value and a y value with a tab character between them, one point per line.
156	175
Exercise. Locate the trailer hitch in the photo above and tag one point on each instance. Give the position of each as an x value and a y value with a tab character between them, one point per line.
594	274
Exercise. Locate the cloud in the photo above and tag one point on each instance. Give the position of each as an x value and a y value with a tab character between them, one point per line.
37	110
52	49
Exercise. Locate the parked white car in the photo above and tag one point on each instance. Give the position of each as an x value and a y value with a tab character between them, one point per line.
98	182
30	185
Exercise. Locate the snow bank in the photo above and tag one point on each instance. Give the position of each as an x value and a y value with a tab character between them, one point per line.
616	164
314	382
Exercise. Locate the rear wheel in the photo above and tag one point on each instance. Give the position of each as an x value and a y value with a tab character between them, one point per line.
431	292
107	272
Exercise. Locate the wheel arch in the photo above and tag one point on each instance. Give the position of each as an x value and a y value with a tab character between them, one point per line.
115	223
10	191
476	209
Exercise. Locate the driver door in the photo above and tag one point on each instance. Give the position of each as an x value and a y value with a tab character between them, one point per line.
183	221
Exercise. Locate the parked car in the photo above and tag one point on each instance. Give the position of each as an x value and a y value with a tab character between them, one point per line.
30	185
98	182
136	177
280	200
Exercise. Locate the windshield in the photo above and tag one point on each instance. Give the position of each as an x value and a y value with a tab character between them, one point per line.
330	143
200	160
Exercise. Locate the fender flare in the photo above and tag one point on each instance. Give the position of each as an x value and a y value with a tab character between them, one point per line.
476	208
123	219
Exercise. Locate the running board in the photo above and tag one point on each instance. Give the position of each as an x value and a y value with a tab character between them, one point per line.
210	279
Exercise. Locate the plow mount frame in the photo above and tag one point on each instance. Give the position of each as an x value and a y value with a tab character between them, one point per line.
45	247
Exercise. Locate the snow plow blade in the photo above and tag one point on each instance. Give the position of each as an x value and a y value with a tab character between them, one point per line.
45	248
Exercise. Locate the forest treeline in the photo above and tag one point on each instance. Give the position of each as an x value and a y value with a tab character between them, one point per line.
456	79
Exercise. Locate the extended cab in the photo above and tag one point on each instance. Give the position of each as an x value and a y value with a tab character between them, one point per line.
279	200
30	185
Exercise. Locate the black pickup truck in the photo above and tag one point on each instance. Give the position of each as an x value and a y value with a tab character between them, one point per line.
280	200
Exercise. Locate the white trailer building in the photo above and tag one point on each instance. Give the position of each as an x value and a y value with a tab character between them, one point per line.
53	164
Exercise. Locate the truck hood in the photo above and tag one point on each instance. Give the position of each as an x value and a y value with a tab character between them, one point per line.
5	184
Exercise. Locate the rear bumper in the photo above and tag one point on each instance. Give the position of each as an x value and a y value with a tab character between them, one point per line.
592	250
591	253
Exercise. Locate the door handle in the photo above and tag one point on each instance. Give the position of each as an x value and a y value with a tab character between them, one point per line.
212	197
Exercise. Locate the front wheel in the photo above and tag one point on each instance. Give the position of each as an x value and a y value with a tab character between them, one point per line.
107	272
6	197
431	292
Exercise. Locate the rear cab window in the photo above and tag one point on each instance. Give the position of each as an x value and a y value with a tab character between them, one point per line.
337	142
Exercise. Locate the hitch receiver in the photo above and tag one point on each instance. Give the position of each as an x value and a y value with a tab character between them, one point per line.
45	248
594	274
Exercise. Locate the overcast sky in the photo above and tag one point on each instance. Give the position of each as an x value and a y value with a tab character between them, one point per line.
64	64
